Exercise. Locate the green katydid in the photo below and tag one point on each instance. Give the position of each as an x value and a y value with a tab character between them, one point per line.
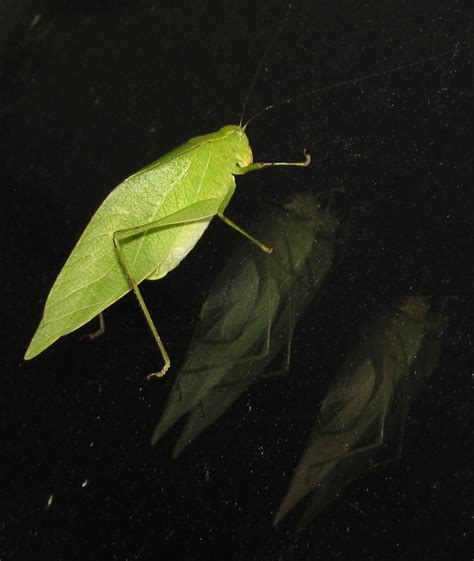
145	228
150	222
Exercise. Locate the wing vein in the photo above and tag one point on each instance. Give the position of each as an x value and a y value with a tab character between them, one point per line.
83	286
182	174
203	176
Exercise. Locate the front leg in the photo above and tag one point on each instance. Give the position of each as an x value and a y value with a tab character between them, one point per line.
233	225
241	171
261	165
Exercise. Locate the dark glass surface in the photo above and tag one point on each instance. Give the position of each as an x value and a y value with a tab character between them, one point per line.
91	92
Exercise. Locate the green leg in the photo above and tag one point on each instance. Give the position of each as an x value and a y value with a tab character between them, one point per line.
123	261
254	167
192	213
99	331
377	442
260	165
229	222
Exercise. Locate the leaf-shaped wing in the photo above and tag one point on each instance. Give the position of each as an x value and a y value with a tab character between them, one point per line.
92	278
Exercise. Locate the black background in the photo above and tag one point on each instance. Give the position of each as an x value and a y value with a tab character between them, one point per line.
93	91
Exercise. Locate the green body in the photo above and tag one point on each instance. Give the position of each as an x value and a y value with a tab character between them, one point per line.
180	192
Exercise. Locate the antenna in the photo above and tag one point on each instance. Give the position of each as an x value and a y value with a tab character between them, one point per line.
345	83
276	34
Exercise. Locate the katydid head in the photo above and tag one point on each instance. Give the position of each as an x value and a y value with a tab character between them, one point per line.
306	206
415	307
237	143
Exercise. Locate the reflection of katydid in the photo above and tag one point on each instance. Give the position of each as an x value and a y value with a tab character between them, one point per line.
353	415
145	228
250	314
150	222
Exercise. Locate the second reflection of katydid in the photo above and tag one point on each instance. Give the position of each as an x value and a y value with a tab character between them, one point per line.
250	314
364	412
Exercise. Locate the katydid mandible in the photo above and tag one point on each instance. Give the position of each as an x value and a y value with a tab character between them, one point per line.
145	228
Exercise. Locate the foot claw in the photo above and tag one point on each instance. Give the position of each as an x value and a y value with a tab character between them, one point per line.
159	374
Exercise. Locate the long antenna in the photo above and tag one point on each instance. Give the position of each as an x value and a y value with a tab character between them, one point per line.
276	34
345	83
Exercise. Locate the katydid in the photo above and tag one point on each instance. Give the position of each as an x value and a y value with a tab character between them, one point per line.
145	228
250	313
151	221
361	397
